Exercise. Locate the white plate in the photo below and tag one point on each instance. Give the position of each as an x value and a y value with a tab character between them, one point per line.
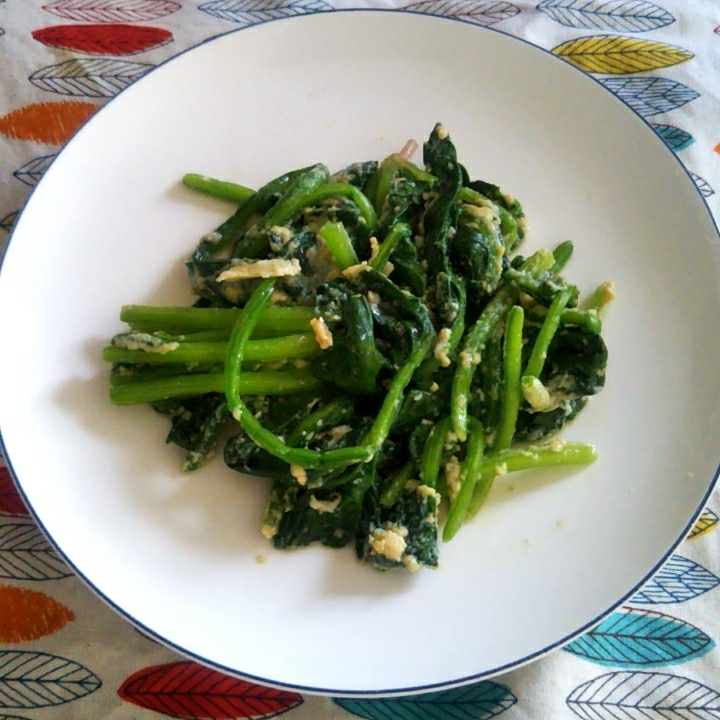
550	553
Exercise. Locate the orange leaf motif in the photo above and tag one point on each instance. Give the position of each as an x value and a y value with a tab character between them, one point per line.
49	122
29	615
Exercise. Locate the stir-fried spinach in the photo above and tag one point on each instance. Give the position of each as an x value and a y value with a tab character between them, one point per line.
378	346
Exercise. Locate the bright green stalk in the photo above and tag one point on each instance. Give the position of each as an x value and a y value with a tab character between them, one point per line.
433	451
547	332
398	232
339	244
528	458
251	383
469	473
396	484
217	188
178	320
290	347
380	428
475	342
256	432
512	368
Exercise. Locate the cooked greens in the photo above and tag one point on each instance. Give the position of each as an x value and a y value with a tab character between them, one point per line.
374	350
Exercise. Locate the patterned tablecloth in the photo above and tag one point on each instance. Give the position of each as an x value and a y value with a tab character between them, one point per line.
64	654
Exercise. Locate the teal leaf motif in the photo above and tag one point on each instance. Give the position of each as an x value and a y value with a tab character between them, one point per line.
641	639
650	95
252	12
617	15
32	171
477	12
26	555
480	701
647	696
35	680
9	220
702	185
678	580
675	138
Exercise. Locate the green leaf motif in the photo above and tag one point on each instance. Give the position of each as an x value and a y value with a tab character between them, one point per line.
641	639
480	701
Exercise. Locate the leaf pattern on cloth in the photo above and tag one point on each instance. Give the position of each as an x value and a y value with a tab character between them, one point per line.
679	580
25	554
709	519
647	696
675	138
51	123
9	220
480	701
96	78
10	501
702	185
649	96
32	171
617	15
37	680
28	615
186	689
110	39
112	11
641	639
615	55
476	12
251	12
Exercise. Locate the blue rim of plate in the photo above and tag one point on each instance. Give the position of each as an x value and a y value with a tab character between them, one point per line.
387	692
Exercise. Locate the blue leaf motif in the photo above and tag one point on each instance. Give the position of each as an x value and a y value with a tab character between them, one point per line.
32	171
650	95
35	680
9	220
641	639
618	15
477	12
480	701
678	580
650	696
702	185
251	12
675	138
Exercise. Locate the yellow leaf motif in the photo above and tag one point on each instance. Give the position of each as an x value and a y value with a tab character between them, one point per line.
705	523
615	55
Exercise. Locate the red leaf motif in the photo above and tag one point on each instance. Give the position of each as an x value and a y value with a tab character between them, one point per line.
111	39
10	500
112	11
188	690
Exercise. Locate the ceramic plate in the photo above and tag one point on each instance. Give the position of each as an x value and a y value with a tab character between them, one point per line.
177	555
